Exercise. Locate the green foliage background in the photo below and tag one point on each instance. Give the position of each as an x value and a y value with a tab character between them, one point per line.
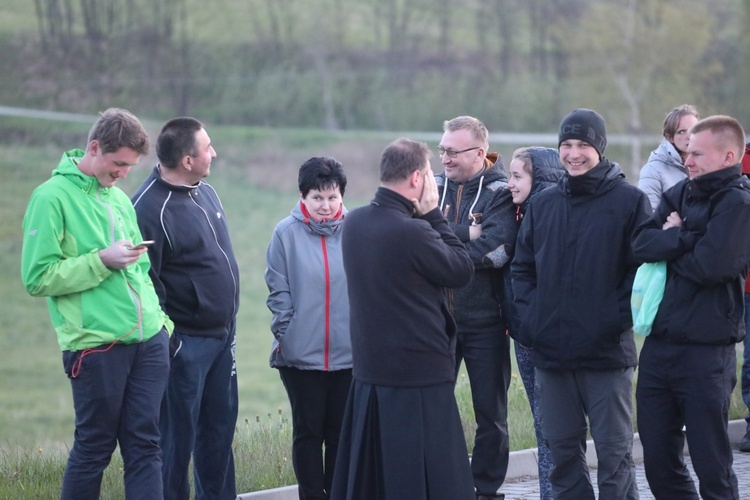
519	65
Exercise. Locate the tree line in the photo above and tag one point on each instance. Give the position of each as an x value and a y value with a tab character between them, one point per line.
519	65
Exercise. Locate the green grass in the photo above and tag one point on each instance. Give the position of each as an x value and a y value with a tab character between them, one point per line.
36	414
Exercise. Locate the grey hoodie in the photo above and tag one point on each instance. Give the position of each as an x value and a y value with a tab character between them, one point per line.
308	294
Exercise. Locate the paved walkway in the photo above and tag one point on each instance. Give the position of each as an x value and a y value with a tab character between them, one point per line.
522	484
526	489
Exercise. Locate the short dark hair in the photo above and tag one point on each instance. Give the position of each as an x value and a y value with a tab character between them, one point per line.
402	157
177	140
321	172
119	128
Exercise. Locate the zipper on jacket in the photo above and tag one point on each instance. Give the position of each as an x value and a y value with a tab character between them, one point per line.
226	257
459	192
112	237
326	271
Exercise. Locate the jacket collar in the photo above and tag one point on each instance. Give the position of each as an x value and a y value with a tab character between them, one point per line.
707	184
389	198
177	188
68	168
592	181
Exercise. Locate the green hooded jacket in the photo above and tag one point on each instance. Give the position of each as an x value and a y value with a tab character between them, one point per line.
68	220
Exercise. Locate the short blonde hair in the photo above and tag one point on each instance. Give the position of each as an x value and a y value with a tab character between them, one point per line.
474	125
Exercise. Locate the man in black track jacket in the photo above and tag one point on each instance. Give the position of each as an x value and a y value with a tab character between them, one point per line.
196	278
687	370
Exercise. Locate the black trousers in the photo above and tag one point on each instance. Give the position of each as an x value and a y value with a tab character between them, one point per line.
690	385
487	358
116	395
318	399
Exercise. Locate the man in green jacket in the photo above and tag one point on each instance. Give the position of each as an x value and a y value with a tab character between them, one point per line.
79	251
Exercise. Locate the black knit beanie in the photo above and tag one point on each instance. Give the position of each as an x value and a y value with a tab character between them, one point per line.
585	125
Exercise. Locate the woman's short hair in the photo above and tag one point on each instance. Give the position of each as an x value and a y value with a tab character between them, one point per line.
321	172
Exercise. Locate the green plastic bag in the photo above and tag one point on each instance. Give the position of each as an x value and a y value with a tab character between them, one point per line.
648	290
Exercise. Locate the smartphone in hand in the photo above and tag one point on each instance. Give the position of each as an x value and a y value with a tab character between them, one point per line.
142	244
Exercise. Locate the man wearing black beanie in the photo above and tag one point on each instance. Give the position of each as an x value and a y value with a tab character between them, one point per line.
576	317
585	125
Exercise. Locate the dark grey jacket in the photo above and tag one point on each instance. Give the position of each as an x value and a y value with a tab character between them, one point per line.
487	198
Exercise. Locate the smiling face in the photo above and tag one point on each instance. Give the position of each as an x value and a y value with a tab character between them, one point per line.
520	181
468	162
578	157
108	168
323	203
707	153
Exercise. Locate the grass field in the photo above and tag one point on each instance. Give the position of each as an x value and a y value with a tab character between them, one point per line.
255	175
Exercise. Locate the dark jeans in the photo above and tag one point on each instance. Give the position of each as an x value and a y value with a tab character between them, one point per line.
116	396
690	385
318	399
199	414
487	359
745	383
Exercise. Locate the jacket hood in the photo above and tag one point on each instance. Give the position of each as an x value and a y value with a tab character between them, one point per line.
493	172
596	181
68	167
546	171
327	227
667	154
494	169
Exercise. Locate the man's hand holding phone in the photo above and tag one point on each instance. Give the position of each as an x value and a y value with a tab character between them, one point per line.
142	244
123	253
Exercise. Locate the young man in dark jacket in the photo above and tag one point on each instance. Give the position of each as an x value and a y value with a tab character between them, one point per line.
687	373
196	277
572	276
476	202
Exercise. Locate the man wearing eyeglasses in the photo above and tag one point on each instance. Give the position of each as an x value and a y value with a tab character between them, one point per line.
475	200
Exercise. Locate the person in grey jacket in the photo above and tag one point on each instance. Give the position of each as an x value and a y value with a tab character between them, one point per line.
308	298
476	202
665	166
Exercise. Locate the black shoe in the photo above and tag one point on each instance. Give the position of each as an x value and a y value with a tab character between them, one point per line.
745	443
498	496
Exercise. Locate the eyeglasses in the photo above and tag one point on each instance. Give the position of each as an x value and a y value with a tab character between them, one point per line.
452	154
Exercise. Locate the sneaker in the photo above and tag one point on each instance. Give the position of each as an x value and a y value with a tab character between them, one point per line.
745	443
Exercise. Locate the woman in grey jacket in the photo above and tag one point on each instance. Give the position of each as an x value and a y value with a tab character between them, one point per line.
308	298
665	166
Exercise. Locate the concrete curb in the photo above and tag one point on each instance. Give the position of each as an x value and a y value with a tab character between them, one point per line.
522	464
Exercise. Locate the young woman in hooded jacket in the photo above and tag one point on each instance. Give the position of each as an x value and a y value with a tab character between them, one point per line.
308	298
530	171
665	166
